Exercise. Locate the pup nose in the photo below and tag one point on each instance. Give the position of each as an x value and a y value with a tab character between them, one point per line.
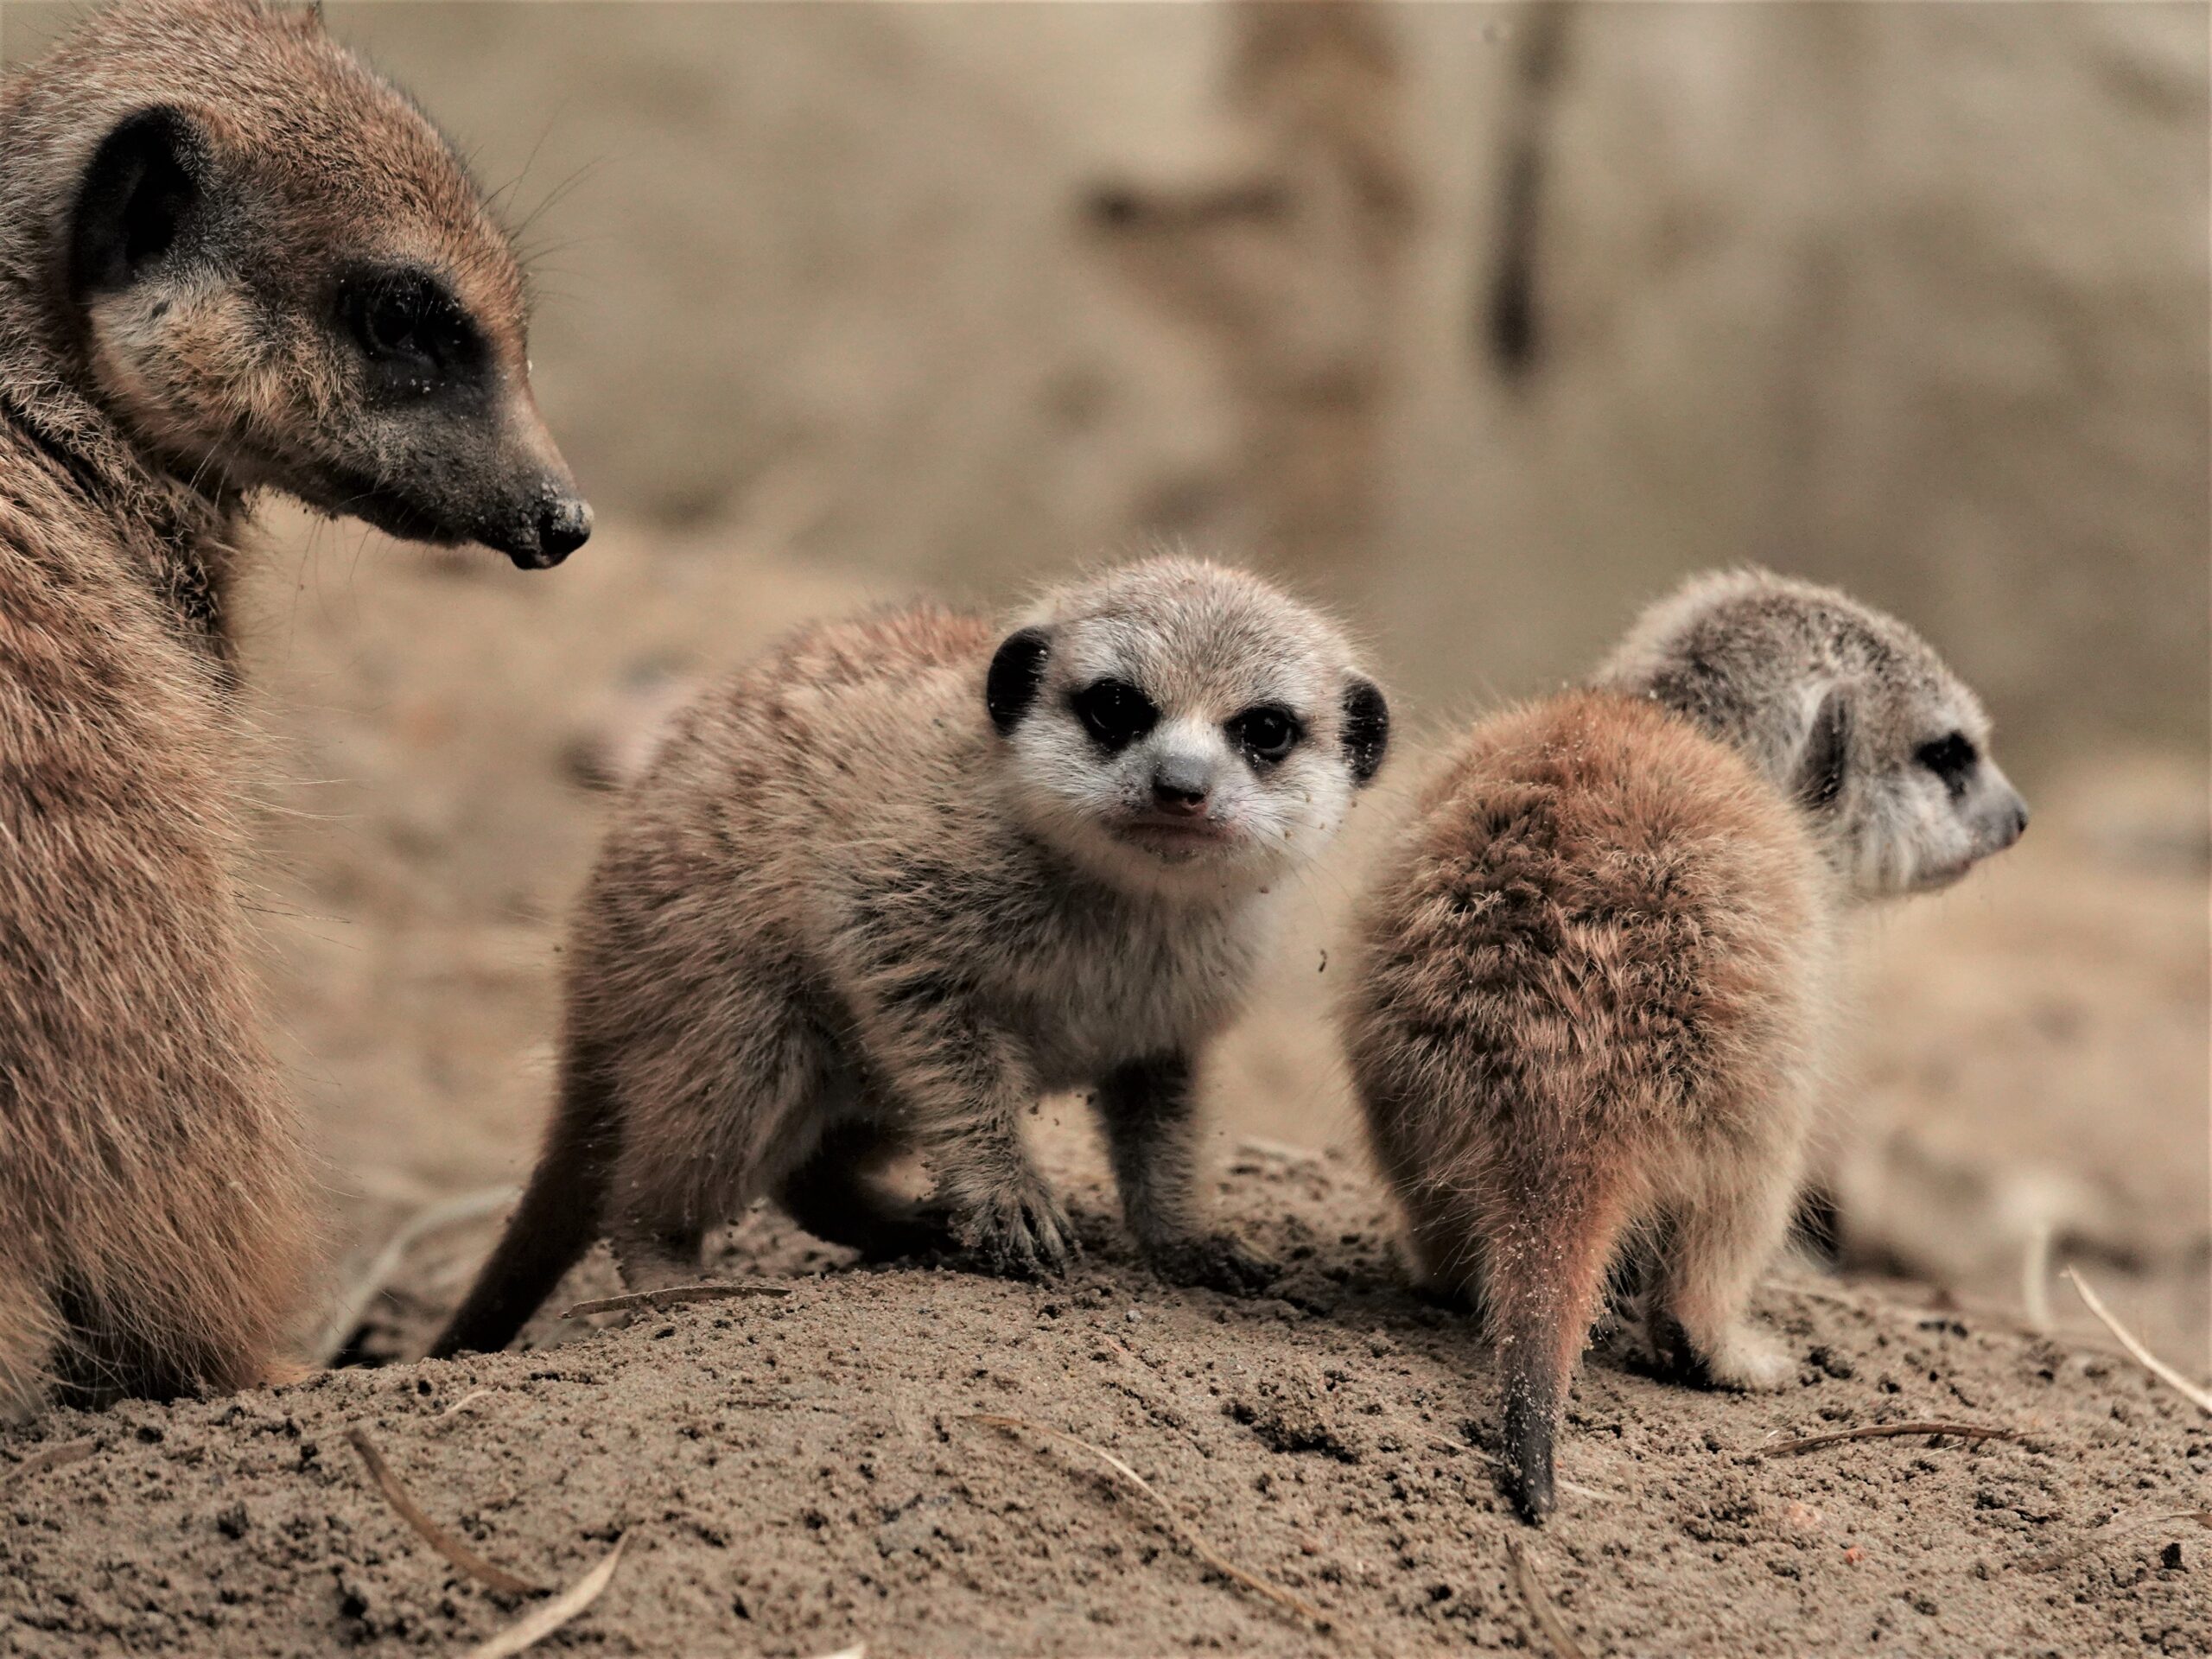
1179	792
2016	823
563	526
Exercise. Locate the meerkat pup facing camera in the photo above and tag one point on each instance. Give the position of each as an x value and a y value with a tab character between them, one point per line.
1597	967
884	889
231	259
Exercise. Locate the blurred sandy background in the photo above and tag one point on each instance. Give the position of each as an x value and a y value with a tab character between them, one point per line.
1483	323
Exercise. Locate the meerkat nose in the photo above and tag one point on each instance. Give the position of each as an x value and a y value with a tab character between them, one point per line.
563	526
2019	821
1180	790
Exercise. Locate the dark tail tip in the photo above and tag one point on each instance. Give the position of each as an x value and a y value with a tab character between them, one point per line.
1528	1473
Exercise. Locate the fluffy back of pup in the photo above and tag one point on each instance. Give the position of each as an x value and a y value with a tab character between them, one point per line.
1585	961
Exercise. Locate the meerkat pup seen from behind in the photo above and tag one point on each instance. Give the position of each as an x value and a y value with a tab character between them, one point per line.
883	889
1598	965
230	259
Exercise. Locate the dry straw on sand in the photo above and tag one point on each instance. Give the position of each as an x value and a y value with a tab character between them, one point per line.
1176	1525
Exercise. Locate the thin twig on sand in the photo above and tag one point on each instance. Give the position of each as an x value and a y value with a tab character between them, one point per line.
1889	1432
45	1458
1540	1610
432	1534
353	1307
2199	1397
541	1622
1176	1525
2104	1532
674	1296
475	1396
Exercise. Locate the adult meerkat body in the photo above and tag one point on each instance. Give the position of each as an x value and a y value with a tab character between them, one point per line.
1597	966
884	889
222	244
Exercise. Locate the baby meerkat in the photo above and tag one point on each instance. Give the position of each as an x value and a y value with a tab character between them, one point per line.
884	889
231	259
1597	966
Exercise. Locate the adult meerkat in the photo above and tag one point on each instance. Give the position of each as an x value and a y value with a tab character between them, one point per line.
1597	965
884	889
231	259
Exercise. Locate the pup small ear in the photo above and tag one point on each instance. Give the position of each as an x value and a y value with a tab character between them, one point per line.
136	199
1366	729
1017	671
1827	752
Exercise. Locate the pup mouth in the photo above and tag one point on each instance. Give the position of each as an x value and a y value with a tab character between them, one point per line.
1158	832
1948	875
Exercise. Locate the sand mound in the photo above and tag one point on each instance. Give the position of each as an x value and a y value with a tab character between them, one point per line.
797	1474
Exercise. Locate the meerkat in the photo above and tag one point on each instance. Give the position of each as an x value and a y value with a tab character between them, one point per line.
884	889
1597	963
230	260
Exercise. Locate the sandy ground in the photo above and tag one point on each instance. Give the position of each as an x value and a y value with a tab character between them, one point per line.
797	1474
793	1476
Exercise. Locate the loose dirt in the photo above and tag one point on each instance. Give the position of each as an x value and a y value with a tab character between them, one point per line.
795	1476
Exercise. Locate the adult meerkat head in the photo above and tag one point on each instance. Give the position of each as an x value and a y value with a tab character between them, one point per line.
277	274
1172	724
1848	708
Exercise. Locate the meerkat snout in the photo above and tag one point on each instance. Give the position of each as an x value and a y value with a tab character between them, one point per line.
1181	784
313	299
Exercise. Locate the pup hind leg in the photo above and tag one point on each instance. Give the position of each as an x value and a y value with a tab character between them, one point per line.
1443	1245
699	1145
837	1194
1720	1242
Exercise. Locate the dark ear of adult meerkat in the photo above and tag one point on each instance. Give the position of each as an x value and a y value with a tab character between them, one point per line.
1597	967
884	889
231	259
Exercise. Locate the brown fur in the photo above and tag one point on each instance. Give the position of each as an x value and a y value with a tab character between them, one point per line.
1590	992
155	1193
881	891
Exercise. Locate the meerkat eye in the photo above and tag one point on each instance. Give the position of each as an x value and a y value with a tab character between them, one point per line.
1115	712
1951	758
1264	733
407	322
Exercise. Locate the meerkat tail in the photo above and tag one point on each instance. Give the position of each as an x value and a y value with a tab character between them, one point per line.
1545	1275
558	1219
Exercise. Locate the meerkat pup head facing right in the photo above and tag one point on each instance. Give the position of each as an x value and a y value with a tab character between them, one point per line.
1849	710
265	266
1595	967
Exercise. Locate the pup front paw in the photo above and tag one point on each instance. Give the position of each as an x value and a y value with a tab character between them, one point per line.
1018	1229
